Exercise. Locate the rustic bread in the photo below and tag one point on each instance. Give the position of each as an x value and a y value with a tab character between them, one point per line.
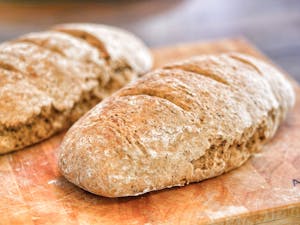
49	79
186	122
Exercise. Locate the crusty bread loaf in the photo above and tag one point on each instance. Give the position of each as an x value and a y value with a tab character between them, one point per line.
186	122
49	79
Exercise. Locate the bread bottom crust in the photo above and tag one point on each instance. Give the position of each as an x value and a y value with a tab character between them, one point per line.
43	125
51	121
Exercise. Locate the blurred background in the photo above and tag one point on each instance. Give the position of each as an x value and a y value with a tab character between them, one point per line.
272	25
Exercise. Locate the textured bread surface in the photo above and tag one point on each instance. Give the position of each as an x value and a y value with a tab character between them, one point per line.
186	122
49	79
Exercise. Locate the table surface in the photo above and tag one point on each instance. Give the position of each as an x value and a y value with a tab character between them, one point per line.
272	25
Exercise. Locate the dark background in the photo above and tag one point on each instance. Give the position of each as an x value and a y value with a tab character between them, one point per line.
272	25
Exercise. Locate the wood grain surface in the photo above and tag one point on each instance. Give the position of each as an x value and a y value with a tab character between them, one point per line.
264	190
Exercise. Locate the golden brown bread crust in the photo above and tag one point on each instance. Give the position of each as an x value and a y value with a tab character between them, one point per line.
117	45
49	79
186	122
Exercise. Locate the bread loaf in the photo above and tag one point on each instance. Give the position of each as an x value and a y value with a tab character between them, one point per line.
49	79
184	123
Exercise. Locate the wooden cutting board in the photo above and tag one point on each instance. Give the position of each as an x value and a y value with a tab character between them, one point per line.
265	190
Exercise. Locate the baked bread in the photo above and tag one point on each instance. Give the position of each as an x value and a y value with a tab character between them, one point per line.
184	123
49	79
